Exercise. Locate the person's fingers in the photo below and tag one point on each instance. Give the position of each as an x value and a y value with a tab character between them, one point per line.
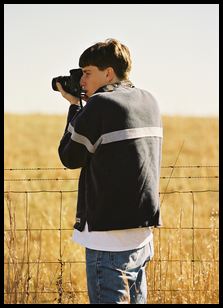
59	87
72	99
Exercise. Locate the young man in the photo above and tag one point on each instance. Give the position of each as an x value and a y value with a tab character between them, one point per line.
116	138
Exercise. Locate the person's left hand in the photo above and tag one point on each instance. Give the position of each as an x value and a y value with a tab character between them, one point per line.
71	99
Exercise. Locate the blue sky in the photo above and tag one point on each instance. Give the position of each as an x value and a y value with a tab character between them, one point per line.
174	48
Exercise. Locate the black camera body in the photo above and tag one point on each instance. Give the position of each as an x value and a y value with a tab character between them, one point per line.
70	84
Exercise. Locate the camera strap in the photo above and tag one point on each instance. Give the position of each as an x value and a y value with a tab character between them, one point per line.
81	103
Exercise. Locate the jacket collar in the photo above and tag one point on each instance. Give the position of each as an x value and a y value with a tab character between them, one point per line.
111	87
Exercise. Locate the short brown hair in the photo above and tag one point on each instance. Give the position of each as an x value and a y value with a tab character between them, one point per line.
110	53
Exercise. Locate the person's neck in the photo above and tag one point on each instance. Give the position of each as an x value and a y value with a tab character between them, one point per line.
114	80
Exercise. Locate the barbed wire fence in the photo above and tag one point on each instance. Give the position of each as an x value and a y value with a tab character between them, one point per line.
19	286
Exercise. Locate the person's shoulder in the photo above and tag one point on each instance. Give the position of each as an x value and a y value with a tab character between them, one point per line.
142	90
95	102
145	92
99	97
147	96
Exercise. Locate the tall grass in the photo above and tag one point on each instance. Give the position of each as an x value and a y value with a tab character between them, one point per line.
42	265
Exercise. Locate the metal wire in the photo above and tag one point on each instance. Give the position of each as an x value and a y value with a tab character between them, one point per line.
62	262
64	168
75	179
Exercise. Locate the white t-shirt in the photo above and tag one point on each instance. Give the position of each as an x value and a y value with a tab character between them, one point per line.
115	240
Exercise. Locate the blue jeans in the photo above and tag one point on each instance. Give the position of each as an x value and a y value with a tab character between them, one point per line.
118	277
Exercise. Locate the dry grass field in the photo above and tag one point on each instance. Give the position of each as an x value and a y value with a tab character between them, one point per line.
43	265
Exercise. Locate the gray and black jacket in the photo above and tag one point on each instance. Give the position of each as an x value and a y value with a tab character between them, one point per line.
116	138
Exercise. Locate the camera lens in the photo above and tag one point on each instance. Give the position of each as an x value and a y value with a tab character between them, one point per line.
54	86
64	81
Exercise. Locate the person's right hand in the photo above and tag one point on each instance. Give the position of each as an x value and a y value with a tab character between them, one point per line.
71	99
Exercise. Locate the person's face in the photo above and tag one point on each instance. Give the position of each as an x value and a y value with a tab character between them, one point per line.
93	78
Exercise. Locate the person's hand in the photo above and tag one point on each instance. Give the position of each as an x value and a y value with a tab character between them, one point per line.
72	99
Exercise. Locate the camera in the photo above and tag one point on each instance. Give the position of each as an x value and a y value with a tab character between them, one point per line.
70	84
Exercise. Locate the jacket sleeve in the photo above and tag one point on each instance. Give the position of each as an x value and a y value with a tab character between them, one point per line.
81	133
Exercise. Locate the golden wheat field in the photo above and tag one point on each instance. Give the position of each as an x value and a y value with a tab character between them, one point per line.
43	265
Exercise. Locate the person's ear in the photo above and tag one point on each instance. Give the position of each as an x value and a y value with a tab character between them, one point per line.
110	74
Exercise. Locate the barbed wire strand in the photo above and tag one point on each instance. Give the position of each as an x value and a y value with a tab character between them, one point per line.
64	168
